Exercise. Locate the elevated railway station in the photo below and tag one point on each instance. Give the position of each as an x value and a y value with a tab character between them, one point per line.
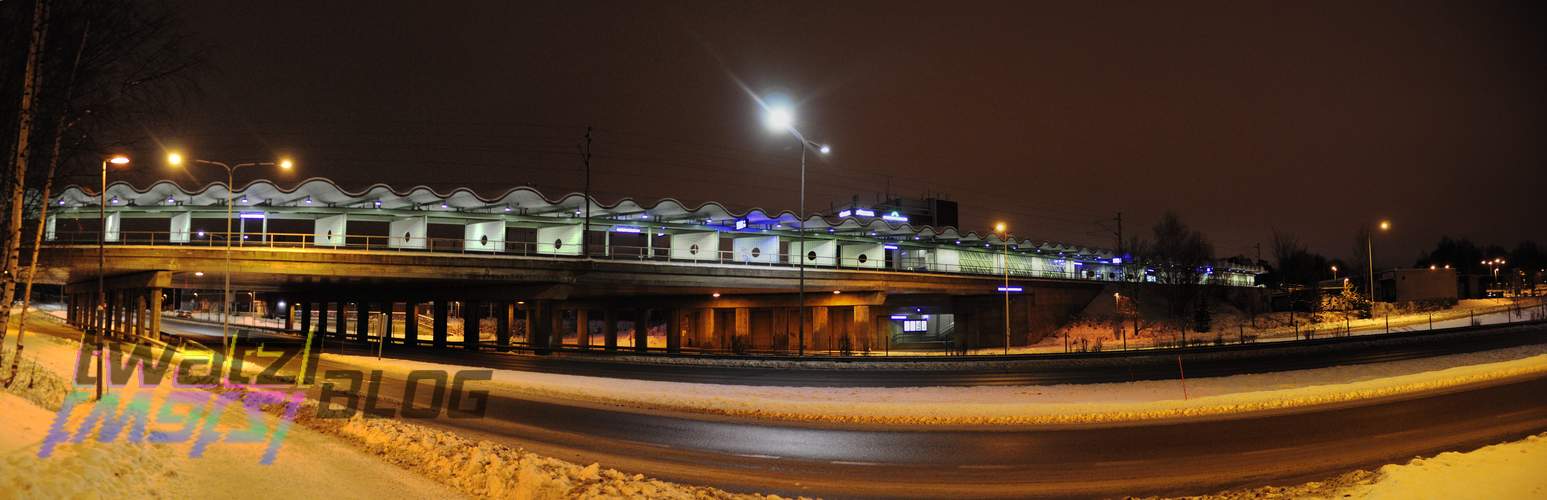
521	270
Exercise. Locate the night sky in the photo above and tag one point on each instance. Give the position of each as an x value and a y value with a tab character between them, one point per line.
1309	117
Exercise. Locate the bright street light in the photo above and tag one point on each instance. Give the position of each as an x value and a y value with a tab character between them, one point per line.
1000	228
779	119
176	159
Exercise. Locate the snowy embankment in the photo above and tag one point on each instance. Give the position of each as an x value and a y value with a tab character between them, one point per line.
1018	405
323	458
1509	470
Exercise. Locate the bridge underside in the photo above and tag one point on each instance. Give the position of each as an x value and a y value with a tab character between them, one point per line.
544	303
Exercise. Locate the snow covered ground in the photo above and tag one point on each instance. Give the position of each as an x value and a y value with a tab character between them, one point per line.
331	458
1514	470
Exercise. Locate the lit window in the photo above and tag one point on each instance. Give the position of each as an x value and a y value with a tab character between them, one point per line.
915	325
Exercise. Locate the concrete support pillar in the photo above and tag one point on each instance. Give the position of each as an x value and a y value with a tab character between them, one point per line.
438	336
503	313
641	330
610	329
340	325
306	317
859	330
583	328
155	313
290	317
411	323
472	312
817	333
141	300
362	321
109	313
539	327
386	321
322	319
741	336
555	319
673	331
703	337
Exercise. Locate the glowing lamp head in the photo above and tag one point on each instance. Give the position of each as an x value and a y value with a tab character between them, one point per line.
118	160
999	227
1385	225
286	164
174	159
825	149
779	119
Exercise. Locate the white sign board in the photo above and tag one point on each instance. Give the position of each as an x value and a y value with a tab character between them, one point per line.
330	231
862	255
110	231
818	252
484	236
756	249
559	240
409	232
695	246
182	225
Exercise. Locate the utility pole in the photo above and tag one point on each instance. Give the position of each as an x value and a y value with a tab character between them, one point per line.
1119	233
585	226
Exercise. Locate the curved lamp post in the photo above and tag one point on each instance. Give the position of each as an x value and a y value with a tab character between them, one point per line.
782	119
177	160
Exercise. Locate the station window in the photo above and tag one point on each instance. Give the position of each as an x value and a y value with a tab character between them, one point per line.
915	325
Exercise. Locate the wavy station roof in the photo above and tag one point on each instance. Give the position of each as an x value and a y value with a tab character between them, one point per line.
319	196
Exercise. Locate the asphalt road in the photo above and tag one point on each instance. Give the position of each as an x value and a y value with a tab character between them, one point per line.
1021	370
1176	458
1160	458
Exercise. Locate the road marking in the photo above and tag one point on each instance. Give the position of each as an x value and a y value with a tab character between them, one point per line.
982	466
845	462
755	455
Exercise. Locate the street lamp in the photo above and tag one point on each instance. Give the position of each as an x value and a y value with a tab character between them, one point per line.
1334	272
782	119
1004	236
101	264
177	160
1369	251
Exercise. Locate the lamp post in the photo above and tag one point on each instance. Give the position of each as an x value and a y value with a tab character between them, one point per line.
1004	237
1369	252
1334	272
101	284
782	119
176	159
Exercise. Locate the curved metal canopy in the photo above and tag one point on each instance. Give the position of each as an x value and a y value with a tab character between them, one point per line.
524	200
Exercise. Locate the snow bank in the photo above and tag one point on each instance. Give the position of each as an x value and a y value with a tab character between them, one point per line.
1500	471
1018	405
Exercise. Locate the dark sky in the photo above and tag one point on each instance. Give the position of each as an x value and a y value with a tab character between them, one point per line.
1309	117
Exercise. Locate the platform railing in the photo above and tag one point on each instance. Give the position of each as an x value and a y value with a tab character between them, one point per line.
782	260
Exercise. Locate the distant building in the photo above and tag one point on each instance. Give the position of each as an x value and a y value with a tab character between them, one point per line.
1413	285
933	211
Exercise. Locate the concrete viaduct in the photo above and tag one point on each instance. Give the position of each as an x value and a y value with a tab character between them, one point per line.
517	271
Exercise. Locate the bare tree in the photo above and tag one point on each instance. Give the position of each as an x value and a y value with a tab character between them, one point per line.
110	65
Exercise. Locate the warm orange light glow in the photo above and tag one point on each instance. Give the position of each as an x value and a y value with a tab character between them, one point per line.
1385	225
118	160
999	227
716	295
286	164
174	159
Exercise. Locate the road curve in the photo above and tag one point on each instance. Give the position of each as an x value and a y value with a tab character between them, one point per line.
1034	370
1160	458
1150	458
